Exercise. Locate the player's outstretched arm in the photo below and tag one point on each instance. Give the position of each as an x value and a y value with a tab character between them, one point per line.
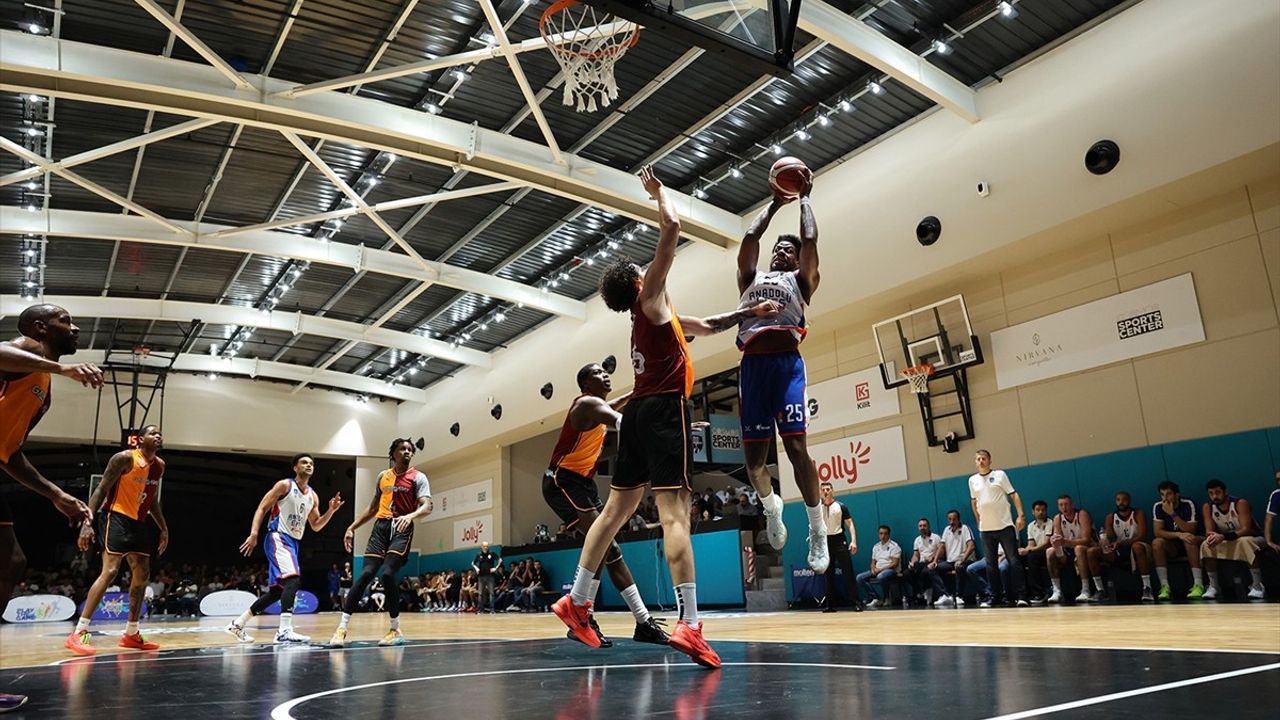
749	250
655	278
20	468
712	324
590	411
808	274
19	356
272	496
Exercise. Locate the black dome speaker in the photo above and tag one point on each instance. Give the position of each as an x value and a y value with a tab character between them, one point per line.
1102	157
455	429
929	230
496	411
547	391
610	364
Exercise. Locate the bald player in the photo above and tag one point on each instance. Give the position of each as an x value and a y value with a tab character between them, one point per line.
130	492
569	487
27	364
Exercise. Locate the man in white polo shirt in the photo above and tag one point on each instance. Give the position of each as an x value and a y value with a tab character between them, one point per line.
990	492
886	558
958	541
1039	539
927	552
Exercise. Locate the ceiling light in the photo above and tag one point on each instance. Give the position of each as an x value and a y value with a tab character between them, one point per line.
30	268
28	283
32	131
34	98
844	105
413	371
501	316
284	288
433	108
776	149
1007	9
484	326
460	74
213	349
545	290
941	47
802	134
213	376
372	182
555	283
734	172
590	261
35	28
875	87
391	159
33	185
29	252
823	120
564	276
31	207
699	193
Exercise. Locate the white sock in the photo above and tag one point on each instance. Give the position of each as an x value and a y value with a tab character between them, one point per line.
581	592
631	595
1163	574
1097	582
286	622
594	590
243	620
395	623
815	519
131	628
687	603
1146	582
1257	576
1198	576
346	618
82	625
1213	580
1057	584
765	501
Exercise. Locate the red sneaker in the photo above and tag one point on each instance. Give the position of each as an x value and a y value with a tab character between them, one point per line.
136	642
578	619
688	640
78	643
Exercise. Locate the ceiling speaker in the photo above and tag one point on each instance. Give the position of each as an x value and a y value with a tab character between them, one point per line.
929	230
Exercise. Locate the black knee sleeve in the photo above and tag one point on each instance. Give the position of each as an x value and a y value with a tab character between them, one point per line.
289	593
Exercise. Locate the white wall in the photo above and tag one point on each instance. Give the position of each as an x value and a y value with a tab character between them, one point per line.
1205	93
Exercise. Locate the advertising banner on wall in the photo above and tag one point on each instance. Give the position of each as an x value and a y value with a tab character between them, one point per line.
461	500
304	603
472	531
39	608
114	606
873	458
226	603
726	439
849	400
1156	317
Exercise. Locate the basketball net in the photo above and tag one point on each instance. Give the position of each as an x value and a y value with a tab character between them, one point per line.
919	376
586	44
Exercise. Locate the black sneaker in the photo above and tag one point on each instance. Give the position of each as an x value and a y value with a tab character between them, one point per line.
604	641
829	609
651	632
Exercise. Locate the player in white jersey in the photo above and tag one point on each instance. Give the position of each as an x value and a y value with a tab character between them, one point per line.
293	506
1230	534
1072	539
1123	541
771	385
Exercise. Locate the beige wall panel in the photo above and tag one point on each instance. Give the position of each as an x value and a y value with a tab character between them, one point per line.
1190	229
1083	266
1083	414
1264	196
1270	242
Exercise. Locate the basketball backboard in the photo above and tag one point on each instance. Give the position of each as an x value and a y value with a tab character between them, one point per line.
757	31
939	334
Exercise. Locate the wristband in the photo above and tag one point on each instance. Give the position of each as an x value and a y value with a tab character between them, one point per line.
804	200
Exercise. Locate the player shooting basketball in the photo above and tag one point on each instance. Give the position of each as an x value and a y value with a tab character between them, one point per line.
772	377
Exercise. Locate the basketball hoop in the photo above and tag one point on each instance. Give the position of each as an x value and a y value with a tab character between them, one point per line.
919	376
586	44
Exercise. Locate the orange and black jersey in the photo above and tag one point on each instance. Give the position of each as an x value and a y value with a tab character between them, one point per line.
23	401
399	494
578	451
136	490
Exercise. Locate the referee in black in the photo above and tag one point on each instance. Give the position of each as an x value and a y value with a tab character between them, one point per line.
835	517
486	565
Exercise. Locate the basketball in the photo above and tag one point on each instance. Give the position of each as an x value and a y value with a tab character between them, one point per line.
787	176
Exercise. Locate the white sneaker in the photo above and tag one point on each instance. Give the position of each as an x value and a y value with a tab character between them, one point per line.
1210	594
1084	597
959	601
774	528
984	604
1055	597
289	636
944	601
238	633
875	603
1257	593
818	556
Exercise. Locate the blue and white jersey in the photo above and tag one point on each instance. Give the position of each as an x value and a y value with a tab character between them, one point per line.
1186	511
290	514
1226	521
782	287
1125	528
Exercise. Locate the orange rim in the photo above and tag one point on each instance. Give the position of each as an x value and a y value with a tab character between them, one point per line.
562	5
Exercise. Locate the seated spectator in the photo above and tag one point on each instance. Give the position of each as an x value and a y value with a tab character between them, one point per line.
1230	534
1123	542
1269	533
712	507
746	508
563	534
636	523
958	540
886	556
1072	538
377	596
468	592
1039	536
539	581
514	586
977	572
731	507
926	552
1177	534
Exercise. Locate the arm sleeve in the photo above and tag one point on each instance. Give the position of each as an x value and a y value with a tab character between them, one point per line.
422	485
844	513
973	493
895	550
1004	483
1273	503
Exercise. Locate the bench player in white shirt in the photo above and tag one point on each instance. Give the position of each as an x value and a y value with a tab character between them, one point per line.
293	505
1072	540
1123	541
1033	554
1230	534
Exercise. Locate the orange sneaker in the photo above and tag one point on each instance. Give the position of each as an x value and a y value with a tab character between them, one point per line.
688	640
578	619
78	643
137	642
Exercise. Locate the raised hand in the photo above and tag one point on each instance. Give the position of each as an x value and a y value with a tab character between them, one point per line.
652	184
335	502
86	374
807	187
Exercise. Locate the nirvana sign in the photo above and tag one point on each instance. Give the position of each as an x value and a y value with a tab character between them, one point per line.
1156	317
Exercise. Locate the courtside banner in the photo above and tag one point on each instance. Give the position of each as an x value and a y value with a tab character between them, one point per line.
39	608
461	500
849	400
304	603
1152	318
472	531
226	603
114	606
874	458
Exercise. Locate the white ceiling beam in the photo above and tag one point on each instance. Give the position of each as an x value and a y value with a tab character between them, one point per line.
95	306
105	151
116	77
114	227
513	62
863	42
93	187
254	368
194	43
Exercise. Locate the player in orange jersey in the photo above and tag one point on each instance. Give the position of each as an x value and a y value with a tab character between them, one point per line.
26	364
130	488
